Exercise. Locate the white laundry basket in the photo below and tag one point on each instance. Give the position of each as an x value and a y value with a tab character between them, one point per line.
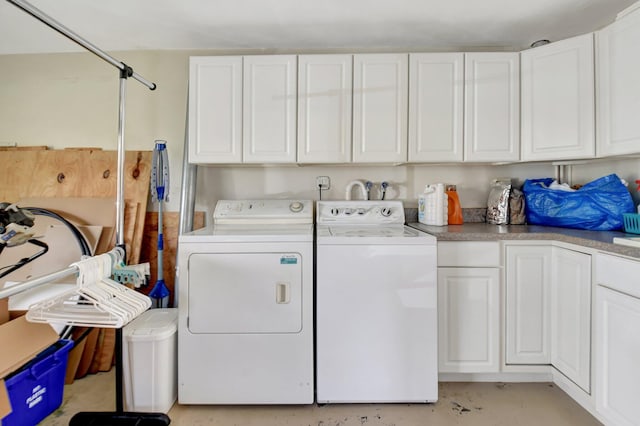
149	353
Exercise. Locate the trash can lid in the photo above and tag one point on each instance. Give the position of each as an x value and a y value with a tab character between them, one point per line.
154	324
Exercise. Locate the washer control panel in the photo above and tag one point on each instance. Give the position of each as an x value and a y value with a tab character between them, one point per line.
360	212
263	212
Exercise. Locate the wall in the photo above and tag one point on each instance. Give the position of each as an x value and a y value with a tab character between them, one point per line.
71	100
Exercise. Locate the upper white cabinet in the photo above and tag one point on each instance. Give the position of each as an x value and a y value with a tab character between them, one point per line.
558	120
492	107
571	315
436	97
380	95
269	109
215	109
324	108
618	86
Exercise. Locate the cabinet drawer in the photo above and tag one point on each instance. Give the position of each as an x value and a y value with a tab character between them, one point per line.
469	253
618	274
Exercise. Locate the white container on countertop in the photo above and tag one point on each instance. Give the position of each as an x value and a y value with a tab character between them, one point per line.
433	207
150	362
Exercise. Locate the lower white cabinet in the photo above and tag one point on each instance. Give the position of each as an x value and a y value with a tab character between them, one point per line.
617	338
571	315
468	308
548	309
528	300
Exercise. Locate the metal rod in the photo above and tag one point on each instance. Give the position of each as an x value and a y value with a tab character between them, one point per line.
187	201
52	23
120	167
35	282
119	372
188	190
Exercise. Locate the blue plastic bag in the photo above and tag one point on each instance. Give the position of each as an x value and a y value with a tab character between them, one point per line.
597	206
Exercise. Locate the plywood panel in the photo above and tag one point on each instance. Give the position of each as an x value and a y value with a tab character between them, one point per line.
80	173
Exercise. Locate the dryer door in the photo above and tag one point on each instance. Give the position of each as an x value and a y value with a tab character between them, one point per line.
244	293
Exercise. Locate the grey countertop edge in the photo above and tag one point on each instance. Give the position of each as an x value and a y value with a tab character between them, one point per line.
597	240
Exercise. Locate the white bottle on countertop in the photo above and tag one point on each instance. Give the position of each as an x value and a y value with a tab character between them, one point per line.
433	205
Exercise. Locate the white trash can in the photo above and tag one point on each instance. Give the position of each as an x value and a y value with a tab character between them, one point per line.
149	361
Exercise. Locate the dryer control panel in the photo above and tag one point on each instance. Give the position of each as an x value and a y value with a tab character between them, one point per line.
360	213
263	212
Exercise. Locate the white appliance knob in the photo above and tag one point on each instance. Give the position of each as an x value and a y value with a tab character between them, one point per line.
296	206
385	211
361	211
334	211
348	212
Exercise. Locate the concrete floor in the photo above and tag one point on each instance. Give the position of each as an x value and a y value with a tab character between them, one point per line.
477	404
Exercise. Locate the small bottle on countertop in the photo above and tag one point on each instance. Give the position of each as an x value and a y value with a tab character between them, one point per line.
454	210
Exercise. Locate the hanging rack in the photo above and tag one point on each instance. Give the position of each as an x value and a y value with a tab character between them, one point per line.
125	72
118	417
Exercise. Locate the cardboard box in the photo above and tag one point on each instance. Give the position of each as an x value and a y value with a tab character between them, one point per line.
4	311
21	341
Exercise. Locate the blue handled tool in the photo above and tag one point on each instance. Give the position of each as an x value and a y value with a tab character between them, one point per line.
160	192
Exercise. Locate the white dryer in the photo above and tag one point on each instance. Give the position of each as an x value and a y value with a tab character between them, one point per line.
376	303
245	323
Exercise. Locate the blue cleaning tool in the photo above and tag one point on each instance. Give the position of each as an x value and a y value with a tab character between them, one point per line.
160	192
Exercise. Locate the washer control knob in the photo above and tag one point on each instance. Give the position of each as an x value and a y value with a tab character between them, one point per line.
296	206
385	211
348	212
334	211
361	211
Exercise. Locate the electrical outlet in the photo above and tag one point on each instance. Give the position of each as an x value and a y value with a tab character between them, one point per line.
323	182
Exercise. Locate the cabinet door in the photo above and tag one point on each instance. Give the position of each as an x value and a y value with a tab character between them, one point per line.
618	87
468	320
215	109
269	109
617	383
528	276
380	91
558	100
492	107
324	108
571	315
436	86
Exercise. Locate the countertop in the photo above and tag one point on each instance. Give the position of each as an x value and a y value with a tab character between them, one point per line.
598	240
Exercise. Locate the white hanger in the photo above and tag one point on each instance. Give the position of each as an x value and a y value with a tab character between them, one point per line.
96	301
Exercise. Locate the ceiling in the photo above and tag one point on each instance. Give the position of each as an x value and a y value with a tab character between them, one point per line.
312	25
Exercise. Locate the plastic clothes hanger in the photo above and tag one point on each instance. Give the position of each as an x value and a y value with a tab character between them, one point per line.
96	301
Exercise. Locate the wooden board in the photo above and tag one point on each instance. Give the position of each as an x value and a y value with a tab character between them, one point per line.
80	173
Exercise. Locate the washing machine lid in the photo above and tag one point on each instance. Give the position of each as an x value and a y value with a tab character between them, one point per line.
372	234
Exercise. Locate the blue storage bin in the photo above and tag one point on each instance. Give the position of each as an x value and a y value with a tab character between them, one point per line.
36	389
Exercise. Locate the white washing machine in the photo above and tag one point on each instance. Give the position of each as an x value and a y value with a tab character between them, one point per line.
376	305
245	323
